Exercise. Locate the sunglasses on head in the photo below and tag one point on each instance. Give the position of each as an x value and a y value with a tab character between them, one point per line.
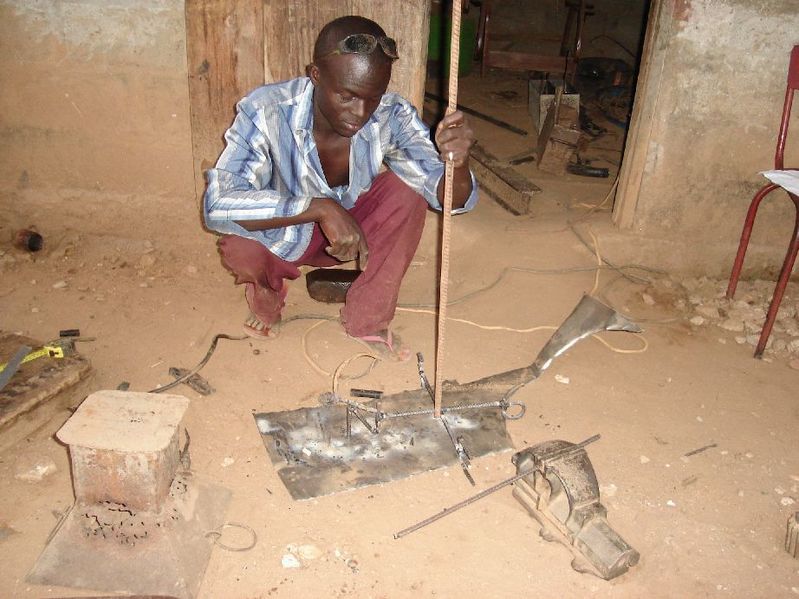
365	43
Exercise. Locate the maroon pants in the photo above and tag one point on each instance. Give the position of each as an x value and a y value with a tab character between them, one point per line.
391	216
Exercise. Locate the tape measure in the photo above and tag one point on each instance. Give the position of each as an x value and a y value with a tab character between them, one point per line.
52	351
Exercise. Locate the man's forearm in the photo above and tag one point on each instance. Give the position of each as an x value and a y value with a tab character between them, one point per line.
461	187
312	214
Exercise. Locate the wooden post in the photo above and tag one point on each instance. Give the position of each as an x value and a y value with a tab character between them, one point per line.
224	47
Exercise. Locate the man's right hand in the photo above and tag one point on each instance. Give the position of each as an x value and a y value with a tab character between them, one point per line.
345	236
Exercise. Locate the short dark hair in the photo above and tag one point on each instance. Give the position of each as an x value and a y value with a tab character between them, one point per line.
337	29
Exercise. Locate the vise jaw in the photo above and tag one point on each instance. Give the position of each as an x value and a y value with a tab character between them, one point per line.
562	493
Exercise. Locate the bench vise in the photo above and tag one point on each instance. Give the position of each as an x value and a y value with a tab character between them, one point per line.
562	493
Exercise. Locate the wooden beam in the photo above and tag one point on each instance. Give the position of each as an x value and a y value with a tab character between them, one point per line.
511	191
642	124
519	61
224	47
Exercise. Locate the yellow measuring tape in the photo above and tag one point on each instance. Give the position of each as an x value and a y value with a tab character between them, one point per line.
52	351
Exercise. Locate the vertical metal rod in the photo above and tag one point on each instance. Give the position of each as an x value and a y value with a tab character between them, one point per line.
452	96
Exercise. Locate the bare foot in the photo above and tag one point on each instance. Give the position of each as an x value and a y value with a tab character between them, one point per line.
257	329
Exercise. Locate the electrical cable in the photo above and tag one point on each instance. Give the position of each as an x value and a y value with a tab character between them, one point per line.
313	362
202	363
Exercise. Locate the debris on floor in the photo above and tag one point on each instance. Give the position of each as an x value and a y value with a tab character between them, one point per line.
702	301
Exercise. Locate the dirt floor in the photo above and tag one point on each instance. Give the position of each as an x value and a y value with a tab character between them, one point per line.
707	525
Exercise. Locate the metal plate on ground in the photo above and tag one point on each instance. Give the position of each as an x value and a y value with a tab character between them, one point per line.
111	548
314	458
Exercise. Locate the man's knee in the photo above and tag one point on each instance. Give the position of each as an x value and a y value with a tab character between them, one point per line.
402	198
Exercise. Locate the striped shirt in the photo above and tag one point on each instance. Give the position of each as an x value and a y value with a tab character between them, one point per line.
270	167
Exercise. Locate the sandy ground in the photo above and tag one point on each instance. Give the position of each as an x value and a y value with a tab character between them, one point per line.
708	525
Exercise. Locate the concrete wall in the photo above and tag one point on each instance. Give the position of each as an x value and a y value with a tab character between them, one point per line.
93	96
720	86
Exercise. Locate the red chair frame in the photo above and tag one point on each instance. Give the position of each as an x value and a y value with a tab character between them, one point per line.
793	247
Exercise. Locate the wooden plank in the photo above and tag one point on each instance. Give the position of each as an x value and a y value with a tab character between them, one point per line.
556	143
224	47
38	390
291	28
511	191
520	61
642	125
408	22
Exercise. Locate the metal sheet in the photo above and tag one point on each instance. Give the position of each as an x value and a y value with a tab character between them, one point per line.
314	458
107	547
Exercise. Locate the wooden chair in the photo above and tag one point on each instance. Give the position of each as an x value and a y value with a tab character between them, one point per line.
793	247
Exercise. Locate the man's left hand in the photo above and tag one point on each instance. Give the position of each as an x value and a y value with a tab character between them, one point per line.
454	138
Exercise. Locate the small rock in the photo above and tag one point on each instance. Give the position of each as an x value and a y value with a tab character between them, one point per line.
670	503
60	285
644	459
753	339
779	491
6	531
146	261
228	461
35	310
740	340
352	564
608	490
708	311
735	325
697	321
191	269
309	552
289	560
562	379
787	501
779	345
648	299
34	468
699	419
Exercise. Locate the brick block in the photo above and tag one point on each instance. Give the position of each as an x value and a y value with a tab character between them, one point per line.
124	447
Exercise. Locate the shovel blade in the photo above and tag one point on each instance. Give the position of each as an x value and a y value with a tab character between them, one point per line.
588	317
